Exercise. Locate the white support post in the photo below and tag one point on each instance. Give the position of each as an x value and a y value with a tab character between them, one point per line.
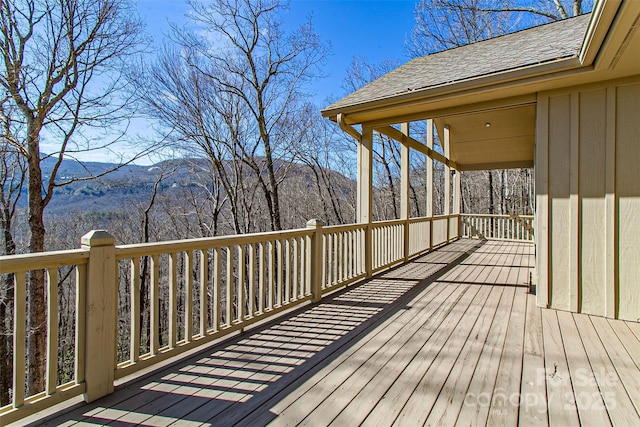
429	170
315	259
404	187
447	172
100	322
457	191
429	182
365	190
365	176
447	179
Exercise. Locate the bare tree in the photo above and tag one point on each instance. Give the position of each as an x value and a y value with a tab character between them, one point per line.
326	152
12	177
60	68
199	120
265	71
445	24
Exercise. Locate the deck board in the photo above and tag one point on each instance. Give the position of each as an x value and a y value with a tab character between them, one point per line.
451	338
507	387
627	370
446	408
562	410
616	400
480	390
586	396
533	394
432	354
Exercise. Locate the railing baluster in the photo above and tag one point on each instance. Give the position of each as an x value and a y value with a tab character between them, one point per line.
271	266
337	257
251	281
386	244
154	306
308	258
391	244
261	267
340	256
173	303
217	289
241	294
188	296
279	282
383	240
325	262
328	238
304	250
134	342
81	310
350	254
295	283
375	247
204	295
52	330
358	252
229	287
345	255
287	271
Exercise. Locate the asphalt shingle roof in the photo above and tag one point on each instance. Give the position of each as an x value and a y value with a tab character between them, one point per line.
544	44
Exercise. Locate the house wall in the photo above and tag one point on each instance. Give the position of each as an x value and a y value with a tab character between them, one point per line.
588	199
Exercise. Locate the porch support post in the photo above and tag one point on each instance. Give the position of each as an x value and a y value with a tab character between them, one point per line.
447	179
315	259
456	191
101	316
404	187
429	182
365	189
457	180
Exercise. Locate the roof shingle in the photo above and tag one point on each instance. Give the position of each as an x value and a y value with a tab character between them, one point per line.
543	44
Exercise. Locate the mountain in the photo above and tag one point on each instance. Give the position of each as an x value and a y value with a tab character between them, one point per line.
119	188
132	185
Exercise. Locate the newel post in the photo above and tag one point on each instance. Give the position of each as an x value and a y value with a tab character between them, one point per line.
100	314
315	258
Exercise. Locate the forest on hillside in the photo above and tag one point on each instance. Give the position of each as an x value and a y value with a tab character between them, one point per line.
241	146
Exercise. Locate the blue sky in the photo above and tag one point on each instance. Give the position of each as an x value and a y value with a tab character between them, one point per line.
373	28
376	29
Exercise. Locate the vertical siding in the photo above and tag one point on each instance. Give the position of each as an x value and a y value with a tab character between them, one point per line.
542	201
592	200
628	199
559	207
589	141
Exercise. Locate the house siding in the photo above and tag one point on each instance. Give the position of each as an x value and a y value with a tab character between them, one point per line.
588	199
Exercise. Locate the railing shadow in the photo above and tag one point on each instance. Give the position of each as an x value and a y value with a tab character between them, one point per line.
242	378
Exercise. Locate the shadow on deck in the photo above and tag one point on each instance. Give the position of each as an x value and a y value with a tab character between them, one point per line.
409	346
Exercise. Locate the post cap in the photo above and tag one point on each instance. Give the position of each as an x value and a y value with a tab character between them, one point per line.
96	238
315	223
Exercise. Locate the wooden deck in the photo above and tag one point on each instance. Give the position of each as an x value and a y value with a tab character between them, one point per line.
452	338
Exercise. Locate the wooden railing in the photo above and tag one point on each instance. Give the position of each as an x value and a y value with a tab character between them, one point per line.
136	305
222	284
70	268
498	227
343	260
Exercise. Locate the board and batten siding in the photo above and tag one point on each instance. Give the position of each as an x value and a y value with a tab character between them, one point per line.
588	199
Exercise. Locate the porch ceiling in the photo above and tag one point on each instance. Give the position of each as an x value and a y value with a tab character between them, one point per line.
502	138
